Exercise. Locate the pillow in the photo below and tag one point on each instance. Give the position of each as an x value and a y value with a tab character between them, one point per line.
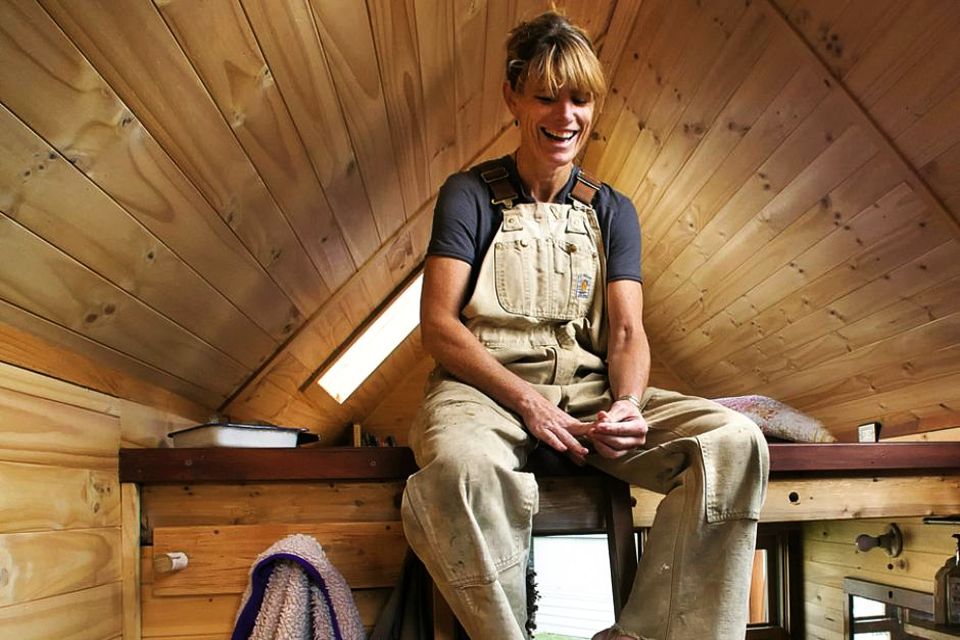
777	420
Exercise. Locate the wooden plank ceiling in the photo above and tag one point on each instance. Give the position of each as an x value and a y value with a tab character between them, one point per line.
202	201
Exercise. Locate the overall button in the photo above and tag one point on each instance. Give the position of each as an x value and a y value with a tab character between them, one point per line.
524	242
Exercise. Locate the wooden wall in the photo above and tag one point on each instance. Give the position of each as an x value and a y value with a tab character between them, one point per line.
223	527
68	531
829	555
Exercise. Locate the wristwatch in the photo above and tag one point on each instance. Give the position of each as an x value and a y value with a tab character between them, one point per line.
629	397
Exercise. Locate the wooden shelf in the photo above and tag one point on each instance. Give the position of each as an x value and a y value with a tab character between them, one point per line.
369	463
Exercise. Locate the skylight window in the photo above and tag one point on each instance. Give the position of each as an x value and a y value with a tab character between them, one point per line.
375	343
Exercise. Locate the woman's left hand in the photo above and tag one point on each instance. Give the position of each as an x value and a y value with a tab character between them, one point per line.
618	430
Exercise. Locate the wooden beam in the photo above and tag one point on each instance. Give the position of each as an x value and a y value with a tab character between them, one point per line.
384	463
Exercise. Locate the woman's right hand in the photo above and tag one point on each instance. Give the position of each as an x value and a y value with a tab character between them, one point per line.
554	427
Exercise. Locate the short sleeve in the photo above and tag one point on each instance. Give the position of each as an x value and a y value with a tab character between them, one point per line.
456	220
623	237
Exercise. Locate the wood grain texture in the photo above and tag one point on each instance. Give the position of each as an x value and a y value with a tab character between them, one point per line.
829	557
40	431
839	498
35	343
395	35
49	563
55	91
89	614
49	196
39	498
368	555
130	561
253	502
136	53
349	47
236	74
43	280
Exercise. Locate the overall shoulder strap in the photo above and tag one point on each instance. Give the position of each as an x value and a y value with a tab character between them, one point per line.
497	178
585	188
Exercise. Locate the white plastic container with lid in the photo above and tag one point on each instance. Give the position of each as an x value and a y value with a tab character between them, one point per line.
230	434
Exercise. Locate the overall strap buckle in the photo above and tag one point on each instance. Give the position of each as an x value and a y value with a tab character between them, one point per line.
497	180
585	189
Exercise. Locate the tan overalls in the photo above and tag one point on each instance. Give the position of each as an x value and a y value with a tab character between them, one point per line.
539	309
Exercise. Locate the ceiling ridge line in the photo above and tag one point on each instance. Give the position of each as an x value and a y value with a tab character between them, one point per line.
871	128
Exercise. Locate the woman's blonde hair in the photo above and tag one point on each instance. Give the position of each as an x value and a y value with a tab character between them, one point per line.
551	50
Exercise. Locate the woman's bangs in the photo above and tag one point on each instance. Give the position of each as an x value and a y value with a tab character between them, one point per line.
574	67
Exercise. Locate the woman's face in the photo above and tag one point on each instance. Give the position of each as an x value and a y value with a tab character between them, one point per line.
553	128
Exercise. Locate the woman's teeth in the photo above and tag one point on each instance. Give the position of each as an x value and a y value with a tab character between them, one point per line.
560	136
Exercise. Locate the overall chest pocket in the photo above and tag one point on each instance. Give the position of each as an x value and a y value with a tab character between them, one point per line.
552	278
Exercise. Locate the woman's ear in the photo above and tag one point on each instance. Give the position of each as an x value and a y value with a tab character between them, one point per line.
510	97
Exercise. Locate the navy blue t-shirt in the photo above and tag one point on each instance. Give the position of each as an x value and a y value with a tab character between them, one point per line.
465	222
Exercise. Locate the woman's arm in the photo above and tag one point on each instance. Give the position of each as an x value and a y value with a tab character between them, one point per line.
445	337
621	427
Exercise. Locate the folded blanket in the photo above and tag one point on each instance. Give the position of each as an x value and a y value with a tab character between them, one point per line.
295	593
778	420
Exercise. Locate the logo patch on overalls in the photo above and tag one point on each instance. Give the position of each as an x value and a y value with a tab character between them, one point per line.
584	286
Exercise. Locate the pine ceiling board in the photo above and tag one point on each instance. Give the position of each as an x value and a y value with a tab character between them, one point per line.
813	18
35	343
933	133
41	279
136	53
879	273
866	229
712	67
469	37
841	418
943	175
435	34
921	88
55	91
764	185
840	42
776	68
803	168
395	35
934	200
774	332
46	194
934	346
592	15
494	115
789	233
687	35
234	71
917	32
859	229
663	244
288	38
608	147
839	354
347	42
724	107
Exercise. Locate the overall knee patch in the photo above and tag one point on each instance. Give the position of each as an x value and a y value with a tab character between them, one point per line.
735	468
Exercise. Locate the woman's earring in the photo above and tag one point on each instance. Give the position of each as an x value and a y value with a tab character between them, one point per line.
516	123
